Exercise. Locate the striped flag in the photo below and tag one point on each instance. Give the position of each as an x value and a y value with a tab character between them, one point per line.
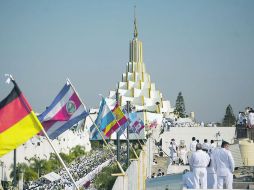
18	123
105	120
108	121
120	117
136	124
65	111
140	126
125	125
94	134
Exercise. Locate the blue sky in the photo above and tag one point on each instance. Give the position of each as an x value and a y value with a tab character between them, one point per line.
202	48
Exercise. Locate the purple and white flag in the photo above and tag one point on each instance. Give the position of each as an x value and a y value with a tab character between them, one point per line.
65	111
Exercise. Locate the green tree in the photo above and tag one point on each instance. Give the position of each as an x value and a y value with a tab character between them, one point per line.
21	167
180	106
30	174
54	162
38	165
104	180
77	151
229	118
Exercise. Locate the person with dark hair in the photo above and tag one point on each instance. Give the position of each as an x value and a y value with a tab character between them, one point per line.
159	173
212	146
173	151
250	119
193	144
205	145
224	166
199	160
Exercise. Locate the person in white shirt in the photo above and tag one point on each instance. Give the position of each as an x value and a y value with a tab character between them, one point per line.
211	173
198	162
173	151
188	179
205	145
224	166
182	153
240	119
193	144
212	146
250	119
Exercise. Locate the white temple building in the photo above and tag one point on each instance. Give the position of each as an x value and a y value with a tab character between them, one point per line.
136	85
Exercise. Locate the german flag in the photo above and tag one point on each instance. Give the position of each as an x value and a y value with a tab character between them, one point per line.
18	123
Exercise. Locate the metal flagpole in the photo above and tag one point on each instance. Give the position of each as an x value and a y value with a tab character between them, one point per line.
44	132
117	134
96	126
127	138
15	168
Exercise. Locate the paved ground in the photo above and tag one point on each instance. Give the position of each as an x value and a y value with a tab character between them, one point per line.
162	163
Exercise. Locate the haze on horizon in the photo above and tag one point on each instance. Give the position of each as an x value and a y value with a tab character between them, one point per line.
202	48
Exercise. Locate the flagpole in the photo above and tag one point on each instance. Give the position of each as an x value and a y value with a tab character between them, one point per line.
58	156
96	126
128	144
117	133
41	127
125	136
15	168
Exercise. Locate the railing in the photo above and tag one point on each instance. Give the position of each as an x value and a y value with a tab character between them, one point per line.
243	132
135	176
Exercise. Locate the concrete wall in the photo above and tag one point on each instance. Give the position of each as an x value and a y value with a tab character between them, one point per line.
247	151
136	174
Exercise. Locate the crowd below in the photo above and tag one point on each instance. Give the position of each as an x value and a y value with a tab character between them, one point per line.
78	169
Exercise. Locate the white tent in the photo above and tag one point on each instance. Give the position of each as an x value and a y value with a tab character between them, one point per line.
52	176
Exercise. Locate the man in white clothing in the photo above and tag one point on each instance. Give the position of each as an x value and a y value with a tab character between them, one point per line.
173	151
250	119
212	146
211	173
199	161
193	144
205	146
224	166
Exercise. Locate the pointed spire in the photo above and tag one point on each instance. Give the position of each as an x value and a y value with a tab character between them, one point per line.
135	24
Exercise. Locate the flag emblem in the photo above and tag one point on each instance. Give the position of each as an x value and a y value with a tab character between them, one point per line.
70	107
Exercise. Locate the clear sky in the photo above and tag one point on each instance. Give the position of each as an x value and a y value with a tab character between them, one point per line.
203	48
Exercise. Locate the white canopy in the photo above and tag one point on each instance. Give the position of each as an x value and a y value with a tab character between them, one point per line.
52	176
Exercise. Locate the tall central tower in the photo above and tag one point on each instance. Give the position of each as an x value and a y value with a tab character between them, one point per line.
136	85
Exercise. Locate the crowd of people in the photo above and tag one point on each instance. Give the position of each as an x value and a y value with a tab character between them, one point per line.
246	118
182	122
78	169
159	173
211	167
179	154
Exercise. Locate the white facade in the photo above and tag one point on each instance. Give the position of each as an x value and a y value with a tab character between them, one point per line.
136	85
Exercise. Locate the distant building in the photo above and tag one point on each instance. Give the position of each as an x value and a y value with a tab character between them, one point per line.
136	85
